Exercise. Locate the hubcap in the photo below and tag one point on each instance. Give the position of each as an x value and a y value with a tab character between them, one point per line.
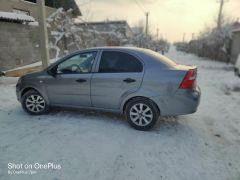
35	103
141	114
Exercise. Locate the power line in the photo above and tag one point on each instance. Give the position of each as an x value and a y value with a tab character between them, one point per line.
146	14
140	6
85	3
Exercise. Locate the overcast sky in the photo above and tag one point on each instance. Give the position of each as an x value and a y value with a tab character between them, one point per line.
172	17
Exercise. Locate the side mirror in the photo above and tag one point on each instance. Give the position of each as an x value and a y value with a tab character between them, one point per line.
52	71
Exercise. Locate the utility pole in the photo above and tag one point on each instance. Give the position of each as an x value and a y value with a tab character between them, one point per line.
183	39
193	36
147	14
43	33
219	22
157	33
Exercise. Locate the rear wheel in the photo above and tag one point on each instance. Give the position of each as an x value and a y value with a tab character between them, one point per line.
34	103
142	114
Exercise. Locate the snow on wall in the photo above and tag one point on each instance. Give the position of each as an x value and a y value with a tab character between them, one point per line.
16	16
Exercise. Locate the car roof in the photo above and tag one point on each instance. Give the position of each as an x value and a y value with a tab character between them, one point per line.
114	48
135	50
142	53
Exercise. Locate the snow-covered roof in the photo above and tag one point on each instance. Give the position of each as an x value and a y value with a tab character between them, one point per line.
15	16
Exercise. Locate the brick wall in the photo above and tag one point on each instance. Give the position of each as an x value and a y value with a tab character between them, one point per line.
19	45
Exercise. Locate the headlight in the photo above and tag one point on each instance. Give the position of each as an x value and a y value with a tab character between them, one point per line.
19	80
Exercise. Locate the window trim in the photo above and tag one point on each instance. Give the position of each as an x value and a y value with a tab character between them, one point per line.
75	54
121	51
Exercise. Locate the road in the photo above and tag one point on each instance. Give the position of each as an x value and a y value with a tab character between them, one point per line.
94	145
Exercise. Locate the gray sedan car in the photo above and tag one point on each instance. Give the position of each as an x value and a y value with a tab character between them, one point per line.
139	83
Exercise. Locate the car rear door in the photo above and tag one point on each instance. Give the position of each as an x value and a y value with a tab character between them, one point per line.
118	74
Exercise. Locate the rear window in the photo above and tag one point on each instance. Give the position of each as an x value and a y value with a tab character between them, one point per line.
163	59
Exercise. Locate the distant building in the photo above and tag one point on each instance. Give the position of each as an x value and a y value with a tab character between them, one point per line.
137	30
29	7
107	27
235	48
235	26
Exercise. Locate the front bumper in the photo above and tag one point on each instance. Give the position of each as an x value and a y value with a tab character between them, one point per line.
18	92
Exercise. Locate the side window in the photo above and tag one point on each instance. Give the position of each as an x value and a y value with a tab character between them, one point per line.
119	62
81	63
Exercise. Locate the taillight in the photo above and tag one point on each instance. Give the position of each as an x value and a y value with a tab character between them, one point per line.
189	80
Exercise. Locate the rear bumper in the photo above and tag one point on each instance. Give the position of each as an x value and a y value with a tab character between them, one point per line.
185	101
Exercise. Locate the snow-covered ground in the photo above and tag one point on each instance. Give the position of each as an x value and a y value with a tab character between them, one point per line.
93	145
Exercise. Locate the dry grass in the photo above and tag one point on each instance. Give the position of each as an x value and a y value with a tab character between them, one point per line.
21	72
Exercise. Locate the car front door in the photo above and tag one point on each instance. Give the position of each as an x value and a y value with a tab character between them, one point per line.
71	83
118	74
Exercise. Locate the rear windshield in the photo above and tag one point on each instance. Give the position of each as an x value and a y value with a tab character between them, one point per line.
166	61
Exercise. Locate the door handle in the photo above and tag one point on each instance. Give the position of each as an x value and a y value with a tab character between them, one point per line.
129	80
81	80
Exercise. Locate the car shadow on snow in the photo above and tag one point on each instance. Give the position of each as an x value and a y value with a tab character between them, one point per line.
85	113
163	124
167	126
181	126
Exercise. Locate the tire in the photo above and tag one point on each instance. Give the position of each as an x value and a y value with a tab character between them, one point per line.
142	114
34	103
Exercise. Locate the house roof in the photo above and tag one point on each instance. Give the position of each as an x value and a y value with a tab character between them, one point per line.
106	26
65	4
15	17
105	22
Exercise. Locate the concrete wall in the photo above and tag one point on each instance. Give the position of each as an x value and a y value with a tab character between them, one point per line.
19	45
235	51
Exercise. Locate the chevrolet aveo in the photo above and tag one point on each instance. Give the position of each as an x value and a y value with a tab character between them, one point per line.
139	83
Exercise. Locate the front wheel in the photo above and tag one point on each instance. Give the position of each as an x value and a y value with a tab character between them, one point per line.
142	114
34	103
